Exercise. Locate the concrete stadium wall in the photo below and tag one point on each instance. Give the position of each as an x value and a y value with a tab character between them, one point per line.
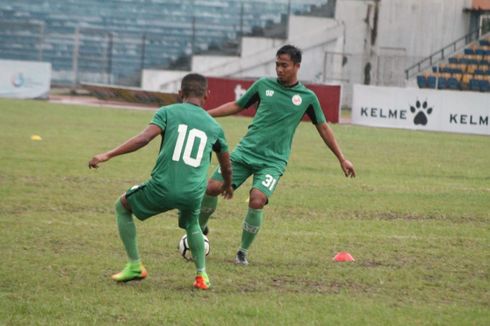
152	79
421	27
315	36
322	35
368	42
404	32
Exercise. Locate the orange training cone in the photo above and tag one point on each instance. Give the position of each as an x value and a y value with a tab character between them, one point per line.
343	256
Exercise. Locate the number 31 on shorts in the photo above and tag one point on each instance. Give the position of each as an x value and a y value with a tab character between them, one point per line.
269	182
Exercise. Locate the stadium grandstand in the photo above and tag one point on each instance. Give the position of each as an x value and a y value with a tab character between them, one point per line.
467	70
112	41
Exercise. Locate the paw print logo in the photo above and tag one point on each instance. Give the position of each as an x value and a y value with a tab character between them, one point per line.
421	112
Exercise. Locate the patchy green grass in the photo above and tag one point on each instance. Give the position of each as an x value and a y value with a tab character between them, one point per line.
416	220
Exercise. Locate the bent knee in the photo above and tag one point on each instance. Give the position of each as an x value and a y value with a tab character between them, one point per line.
257	199
124	202
214	187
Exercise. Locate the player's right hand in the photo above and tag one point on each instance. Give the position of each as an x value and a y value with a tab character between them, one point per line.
348	168
99	158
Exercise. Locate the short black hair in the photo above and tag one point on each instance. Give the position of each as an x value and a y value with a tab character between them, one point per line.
194	85
293	52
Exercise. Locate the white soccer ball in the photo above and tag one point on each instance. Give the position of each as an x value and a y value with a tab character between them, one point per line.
185	251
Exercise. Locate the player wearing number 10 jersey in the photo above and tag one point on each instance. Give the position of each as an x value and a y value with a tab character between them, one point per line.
178	180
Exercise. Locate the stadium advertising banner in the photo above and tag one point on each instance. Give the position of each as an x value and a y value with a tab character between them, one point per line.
421	109
24	79
225	90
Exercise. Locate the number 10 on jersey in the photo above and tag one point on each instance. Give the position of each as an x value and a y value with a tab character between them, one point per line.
190	141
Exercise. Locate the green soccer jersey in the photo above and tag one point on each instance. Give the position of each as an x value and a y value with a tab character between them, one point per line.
189	135
279	111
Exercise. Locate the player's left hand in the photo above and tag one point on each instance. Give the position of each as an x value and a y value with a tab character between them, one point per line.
348	168
99	158
227	192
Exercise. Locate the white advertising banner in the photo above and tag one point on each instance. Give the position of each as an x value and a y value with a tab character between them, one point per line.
422	109
24	79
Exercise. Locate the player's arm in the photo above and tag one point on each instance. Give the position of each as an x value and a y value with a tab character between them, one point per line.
250	97
226	109
328	137
129	146
225	166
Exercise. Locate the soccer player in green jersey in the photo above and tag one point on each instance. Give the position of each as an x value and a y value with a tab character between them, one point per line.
264	151
178	180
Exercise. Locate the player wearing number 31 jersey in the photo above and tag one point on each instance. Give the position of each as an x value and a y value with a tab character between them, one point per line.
264	151
178	180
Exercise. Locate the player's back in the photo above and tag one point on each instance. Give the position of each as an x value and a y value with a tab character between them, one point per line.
189	134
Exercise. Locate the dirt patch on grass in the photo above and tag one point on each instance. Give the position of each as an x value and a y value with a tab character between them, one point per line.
393	216
370	263
302	285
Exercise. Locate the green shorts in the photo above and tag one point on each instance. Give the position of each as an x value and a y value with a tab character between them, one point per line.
265	178
145	202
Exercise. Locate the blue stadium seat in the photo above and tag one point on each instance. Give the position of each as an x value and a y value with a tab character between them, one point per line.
421	81
481	71
474	84
453	83
485	85
480	51
442	83
431	81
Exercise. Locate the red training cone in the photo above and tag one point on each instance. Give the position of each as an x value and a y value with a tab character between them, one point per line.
343	256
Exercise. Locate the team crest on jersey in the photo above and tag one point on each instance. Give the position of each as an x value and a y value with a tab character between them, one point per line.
269	92
297	100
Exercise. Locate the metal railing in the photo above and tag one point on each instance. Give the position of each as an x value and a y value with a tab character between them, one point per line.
441	54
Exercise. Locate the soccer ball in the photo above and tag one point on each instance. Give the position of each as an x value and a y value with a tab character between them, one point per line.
185	251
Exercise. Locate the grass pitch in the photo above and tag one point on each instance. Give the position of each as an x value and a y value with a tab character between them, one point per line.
416	219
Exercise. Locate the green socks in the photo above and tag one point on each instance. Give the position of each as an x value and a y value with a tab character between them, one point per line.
208	206
127	232
195	239
251	227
